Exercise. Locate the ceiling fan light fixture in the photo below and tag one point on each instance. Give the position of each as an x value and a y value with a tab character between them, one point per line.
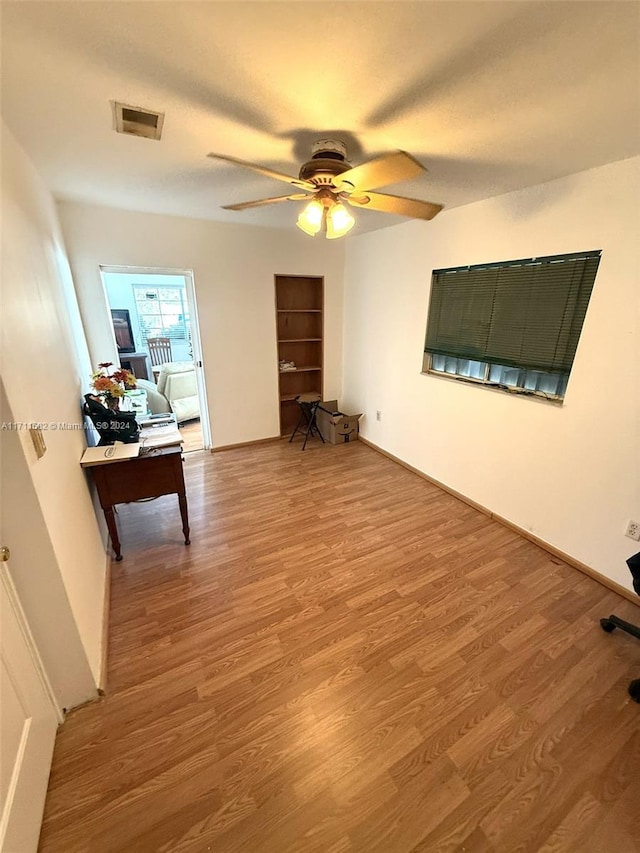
310	220
339	221
330	177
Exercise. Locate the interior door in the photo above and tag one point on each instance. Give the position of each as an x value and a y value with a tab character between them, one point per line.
118	284
197	359
28	723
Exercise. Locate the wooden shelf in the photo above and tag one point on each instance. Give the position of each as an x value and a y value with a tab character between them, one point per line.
299	293
300	333
299	370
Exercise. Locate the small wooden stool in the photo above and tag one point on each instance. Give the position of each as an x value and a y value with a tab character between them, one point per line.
307	421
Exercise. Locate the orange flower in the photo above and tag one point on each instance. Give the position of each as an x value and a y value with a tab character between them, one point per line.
124	376
107	384
103	383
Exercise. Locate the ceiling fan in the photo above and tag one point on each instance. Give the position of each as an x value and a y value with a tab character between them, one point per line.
331	181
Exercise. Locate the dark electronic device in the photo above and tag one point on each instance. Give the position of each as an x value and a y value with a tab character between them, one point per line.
122	330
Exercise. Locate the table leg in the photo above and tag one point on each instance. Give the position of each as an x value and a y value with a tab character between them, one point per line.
113	532
182	500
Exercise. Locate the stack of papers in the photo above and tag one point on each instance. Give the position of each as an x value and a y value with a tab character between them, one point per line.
110	453
163	435
156	420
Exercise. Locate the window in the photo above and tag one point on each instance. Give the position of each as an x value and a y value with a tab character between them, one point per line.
162	312
512	325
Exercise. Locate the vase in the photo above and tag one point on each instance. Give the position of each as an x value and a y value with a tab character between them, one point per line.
112	403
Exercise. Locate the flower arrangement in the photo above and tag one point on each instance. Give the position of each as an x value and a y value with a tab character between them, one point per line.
109	386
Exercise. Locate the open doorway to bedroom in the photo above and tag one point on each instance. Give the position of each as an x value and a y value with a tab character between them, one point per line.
155	325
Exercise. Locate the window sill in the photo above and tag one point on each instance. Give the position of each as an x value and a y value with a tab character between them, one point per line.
538	396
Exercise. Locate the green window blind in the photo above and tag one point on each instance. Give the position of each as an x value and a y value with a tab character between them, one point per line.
525	313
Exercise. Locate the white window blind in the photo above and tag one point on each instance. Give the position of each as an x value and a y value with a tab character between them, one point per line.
162	312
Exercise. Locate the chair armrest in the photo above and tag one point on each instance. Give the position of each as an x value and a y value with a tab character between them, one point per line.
157	402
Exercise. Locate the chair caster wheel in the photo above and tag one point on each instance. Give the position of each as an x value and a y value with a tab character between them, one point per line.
119	559
607	625
187	541
634	690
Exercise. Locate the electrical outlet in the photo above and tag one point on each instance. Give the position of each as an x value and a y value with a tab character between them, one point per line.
633	530
378	415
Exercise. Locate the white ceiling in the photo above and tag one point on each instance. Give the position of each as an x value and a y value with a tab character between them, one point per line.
490	96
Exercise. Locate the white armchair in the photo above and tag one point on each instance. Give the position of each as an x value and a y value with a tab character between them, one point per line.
175	392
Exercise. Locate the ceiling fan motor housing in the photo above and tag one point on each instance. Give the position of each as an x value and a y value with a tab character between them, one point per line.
328	159
332	148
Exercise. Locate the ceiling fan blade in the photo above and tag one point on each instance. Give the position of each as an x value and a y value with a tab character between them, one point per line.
383	170
263	170
245	204
396	204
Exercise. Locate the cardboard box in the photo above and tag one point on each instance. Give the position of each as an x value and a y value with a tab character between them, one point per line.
335	426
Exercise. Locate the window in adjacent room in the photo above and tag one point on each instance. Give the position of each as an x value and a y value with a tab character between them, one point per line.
512	325
162	312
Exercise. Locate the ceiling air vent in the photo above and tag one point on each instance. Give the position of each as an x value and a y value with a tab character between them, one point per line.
137	121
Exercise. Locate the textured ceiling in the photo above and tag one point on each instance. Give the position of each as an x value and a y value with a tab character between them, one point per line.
490	96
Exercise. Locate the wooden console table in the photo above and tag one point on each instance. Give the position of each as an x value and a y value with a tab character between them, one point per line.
137	363
150	476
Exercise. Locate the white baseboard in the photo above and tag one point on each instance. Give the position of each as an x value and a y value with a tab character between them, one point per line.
245	444
106	612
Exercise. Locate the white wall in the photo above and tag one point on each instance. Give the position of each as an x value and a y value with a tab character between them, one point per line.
570	474
44	362
234	267
36	574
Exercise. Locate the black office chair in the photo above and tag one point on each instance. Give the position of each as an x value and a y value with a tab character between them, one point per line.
612	622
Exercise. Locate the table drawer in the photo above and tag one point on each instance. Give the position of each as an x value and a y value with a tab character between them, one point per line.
147	477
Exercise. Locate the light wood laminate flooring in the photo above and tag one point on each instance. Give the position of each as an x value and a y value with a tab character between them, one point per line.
347	658
191	432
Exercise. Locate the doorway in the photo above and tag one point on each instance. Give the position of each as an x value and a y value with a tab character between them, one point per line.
155	326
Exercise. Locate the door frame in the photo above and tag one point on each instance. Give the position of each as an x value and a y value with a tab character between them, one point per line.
26	754
194	321
7	582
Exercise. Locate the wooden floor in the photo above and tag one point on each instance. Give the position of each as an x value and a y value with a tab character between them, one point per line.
347	659
191	432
